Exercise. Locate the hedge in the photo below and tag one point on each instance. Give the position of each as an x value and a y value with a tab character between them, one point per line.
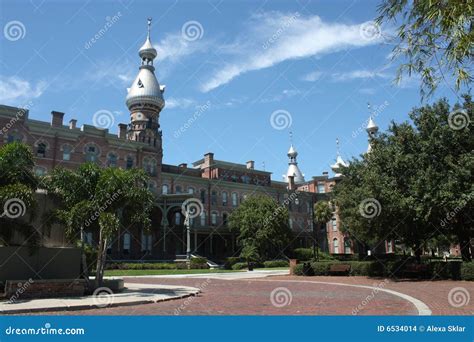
275	263
306	254
436	270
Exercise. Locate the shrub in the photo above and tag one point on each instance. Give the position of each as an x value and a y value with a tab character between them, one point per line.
198	261
303	254
239	266
141	266
360	268
298	270
231	261
321	268
467	271
275	263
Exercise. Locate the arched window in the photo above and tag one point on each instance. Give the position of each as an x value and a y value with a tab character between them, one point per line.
214	197
146	241
334	224
67	150
14	136
126	243
335	245
203	219
149	165
214	218
129	163
190	190
389	246
178	189
224	198
203	196
164	189
151	185
224	219
347	246
112	159
177	218
41	150
92	152
234	199
39	171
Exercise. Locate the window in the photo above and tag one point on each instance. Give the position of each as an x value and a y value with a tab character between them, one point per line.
347	246
177	218
92	153
129	163
321	188
151	186
67	150
214	198
234	199
164	189
126	243
112	159
88	238
203	196
214	219
203	219
224	199
39	171
178	189
224	219
389	246
41	150
190	190
334	224
335	245
149	165
14	136
146	242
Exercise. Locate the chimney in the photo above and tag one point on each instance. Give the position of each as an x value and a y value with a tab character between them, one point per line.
56	119
72	124
208	159
122	131
291	182
183	166
250	164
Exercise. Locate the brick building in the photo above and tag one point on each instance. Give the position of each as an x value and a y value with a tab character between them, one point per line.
220	185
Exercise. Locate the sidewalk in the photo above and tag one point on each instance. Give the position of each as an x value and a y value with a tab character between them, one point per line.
133	294
226	276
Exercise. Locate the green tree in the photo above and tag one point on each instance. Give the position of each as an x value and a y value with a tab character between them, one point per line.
102	200
249	253
264	223
17	192
434	40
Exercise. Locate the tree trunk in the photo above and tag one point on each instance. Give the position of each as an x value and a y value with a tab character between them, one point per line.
98	271
418	252
465	246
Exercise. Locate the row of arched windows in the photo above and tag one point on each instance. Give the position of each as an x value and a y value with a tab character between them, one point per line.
225	199
216	219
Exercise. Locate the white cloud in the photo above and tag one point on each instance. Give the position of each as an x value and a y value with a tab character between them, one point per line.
275	37
285	94
312	76
173	47
367	91
358	74
14	89
121	74
181	103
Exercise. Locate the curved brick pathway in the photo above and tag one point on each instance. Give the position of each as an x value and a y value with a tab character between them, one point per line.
253	297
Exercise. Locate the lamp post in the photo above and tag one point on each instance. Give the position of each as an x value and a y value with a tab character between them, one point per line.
188	236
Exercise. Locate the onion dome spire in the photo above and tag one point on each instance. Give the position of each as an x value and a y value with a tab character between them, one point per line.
293	169
336	167
371	128
147	52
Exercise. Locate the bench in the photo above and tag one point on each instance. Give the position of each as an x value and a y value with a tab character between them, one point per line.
418	270
339	269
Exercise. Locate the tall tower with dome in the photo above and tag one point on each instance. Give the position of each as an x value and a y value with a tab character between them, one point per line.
145	101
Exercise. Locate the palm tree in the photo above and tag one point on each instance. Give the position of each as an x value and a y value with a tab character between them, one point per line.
322	213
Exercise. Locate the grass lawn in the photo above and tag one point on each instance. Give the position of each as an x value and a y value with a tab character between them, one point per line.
112	273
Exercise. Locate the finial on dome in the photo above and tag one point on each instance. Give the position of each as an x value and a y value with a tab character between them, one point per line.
337	147
149	25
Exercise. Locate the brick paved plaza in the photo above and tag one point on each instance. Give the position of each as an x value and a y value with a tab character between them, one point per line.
309	296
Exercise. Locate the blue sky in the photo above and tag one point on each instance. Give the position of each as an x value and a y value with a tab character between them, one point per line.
264	68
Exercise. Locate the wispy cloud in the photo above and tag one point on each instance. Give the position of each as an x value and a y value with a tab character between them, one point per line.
285	94
358	74
14	90
119	74
181	103
312	76
278	37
